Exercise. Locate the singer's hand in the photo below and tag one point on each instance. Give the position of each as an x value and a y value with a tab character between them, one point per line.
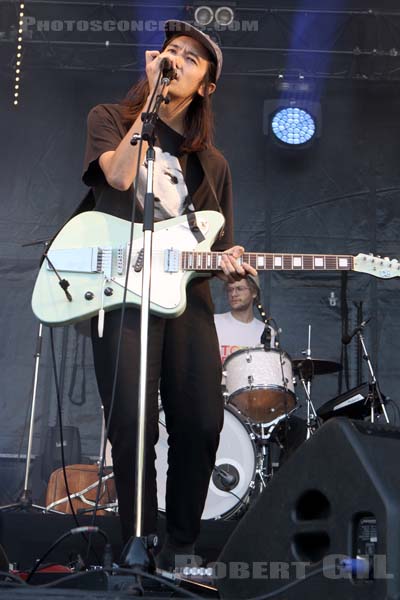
232	270
153	63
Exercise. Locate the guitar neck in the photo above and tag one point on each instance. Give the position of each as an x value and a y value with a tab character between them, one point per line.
211	261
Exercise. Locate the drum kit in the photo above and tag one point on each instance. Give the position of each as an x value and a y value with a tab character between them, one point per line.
259	391
260	401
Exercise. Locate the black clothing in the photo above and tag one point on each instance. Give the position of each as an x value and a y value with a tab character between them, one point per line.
183	352
106	128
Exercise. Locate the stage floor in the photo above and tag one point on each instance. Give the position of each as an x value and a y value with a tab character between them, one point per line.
26	536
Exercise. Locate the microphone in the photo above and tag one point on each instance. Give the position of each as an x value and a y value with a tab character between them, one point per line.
228	480
349	336
168	71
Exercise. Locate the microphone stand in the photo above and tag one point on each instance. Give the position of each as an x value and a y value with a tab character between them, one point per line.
136	552
266	336
374	390
25	501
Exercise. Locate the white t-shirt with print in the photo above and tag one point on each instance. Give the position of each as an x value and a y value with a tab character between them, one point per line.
234	335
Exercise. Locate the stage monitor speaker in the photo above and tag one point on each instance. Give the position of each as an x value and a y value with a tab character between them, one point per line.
339	494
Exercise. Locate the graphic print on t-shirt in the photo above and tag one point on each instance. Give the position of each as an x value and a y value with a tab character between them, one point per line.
170	190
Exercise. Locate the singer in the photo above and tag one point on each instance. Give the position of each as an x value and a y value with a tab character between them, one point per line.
184	363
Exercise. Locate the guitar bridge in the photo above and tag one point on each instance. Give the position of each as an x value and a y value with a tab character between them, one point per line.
171	260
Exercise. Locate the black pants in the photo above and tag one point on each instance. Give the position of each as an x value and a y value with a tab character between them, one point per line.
184	360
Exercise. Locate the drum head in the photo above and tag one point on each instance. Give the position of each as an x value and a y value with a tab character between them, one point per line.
235	468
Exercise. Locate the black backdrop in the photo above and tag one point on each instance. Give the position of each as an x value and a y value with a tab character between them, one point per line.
341	196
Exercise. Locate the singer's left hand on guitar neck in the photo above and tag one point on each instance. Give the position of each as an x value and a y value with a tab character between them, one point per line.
232	270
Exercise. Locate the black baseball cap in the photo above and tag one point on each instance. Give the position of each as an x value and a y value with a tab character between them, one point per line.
181	27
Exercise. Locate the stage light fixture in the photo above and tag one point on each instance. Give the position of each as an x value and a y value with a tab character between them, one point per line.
203	16
224	16
293	125
18	53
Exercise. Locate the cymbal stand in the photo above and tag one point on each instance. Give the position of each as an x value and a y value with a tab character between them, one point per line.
374	393
306	383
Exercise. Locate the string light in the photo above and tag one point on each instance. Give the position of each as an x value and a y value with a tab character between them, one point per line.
18	61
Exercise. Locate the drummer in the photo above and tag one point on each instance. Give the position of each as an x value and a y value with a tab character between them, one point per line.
239	328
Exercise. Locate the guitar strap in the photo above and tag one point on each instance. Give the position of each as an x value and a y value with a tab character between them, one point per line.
204	163
194	228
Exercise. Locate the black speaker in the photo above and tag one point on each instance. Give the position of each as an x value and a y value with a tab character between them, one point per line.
339	494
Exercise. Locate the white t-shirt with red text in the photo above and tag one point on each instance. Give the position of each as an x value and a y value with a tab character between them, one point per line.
234	335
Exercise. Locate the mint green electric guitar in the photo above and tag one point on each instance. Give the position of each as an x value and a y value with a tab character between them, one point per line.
91	252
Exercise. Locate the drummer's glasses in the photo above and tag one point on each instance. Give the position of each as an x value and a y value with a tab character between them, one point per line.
239	289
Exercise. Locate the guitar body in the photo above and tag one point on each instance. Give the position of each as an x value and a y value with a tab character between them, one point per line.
87	232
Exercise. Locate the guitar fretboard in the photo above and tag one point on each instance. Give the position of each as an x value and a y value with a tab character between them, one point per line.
210	261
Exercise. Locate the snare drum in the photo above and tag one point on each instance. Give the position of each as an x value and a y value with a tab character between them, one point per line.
236	456
259	383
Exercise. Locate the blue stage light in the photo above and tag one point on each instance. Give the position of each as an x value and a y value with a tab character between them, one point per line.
293	126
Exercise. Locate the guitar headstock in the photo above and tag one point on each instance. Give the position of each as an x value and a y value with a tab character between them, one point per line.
385	268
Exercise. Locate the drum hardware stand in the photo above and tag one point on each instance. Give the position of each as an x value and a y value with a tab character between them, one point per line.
374	393
111	506
263	443
264	469
136	552
312	419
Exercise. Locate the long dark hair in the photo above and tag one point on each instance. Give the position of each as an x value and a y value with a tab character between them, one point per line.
198	131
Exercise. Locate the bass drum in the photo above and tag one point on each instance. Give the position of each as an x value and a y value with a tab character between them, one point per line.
233	476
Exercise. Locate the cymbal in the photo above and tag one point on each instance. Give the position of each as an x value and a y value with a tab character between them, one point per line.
308	367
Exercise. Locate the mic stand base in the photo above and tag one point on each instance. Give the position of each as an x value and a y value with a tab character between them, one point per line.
24	503
136	554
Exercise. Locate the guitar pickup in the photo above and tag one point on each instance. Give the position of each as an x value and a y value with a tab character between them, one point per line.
171	260
138	266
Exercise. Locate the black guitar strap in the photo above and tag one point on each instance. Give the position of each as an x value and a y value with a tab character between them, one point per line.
204	164
194	228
